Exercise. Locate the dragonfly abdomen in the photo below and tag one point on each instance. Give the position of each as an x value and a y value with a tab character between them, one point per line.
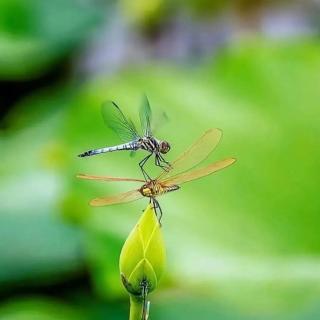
134	145
170	188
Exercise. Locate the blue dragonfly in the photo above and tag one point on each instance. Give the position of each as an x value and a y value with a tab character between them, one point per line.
115	119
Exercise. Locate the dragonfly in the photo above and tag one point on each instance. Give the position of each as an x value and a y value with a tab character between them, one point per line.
115	119
183	169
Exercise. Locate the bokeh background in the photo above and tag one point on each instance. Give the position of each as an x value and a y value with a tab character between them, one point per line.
241	244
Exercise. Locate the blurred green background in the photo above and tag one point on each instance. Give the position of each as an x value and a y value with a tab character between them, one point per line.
242	244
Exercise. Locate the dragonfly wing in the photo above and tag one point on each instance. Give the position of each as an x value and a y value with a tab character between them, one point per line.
197	153
198	173
106	178
119	198
145	117
159	120
117	121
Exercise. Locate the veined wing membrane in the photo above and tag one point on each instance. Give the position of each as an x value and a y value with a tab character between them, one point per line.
117	121
118	198
197	153
106	178
145	117
198	173
159	120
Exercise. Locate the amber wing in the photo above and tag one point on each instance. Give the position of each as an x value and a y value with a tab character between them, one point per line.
119	198
106	178
198	173
197	153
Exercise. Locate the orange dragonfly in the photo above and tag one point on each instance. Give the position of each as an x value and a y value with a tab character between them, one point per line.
182	170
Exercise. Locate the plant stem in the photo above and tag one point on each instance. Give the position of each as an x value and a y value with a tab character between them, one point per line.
136	306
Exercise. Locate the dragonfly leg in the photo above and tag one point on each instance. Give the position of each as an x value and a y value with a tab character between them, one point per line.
158	162
162	159
157	209
146	304
141	165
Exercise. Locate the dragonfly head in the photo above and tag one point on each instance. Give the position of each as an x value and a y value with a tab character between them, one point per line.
164	147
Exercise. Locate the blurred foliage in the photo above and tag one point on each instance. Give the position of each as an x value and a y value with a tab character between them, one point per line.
150	15
247	238
145	13
35	34
38	309
204	8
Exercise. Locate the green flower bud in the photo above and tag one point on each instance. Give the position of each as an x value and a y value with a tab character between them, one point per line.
143	256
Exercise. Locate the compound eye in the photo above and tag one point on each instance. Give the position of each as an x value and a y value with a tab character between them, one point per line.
164	147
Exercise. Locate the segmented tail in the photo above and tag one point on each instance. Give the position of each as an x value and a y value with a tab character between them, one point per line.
133	146
90	153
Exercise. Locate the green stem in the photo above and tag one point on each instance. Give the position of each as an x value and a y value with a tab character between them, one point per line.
136	306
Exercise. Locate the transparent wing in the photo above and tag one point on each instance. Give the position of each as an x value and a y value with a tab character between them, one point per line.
106	178
116	121
198	173
197	153
145	117
119	198
158	121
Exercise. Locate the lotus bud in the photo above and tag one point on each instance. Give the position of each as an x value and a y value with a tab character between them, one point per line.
143	256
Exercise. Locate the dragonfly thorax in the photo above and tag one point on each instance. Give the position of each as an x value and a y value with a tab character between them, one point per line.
149	144
151	189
